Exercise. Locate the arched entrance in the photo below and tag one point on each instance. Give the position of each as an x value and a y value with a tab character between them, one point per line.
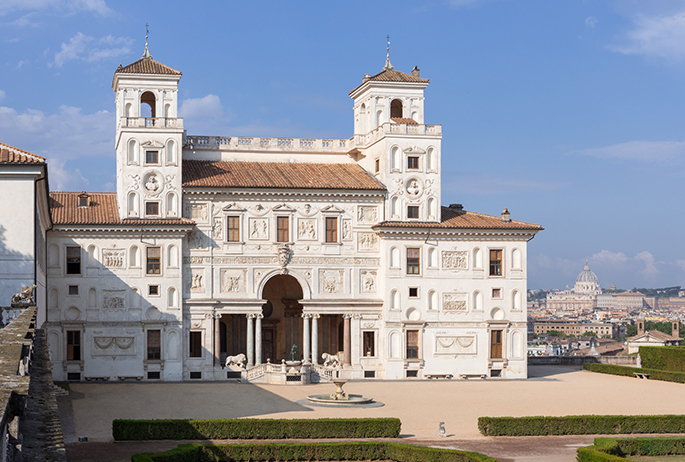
282	322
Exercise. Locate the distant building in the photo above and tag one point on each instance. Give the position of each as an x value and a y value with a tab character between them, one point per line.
576	328
582	297
653	337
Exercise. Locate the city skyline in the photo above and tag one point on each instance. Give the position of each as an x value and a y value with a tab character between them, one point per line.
568	114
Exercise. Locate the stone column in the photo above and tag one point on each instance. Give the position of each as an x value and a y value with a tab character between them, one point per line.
250	339
217	339
258	338
347	341
315	339
305	336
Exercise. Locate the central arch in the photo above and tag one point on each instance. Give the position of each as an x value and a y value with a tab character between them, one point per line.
282	322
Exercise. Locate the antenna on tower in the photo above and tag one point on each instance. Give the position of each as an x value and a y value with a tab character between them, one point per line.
387	66
147	33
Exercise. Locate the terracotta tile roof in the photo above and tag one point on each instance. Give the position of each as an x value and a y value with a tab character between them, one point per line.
392	75
11	155
656	334
281	175
147	66
452	219
403	120
102	210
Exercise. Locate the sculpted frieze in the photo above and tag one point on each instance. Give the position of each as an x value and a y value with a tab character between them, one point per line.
455	345
331	281
368	281
306	229
455	259
258	228
367	241
347	230
275	261
196	212
197	239
113	300
367	214
113	258
233	280
454	302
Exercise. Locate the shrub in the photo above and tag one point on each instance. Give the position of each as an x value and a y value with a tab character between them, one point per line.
271	429
613	449
369	450
654	374
663	358
581	425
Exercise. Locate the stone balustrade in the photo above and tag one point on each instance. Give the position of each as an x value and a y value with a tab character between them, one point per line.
242	143
151	122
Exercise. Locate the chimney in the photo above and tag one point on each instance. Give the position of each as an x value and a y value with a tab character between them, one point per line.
366	77
457	207
640	326
505	216
416	72
675	329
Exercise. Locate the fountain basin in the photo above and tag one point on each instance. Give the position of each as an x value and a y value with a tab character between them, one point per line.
349	399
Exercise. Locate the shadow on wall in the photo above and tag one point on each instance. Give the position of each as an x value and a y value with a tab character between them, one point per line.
12	263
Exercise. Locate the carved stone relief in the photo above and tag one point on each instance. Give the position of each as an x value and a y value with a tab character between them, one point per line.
232	280
368	281
113	300
259	228
153	184
113	258
414	188
455	345
367	241
113	346
217	229
454	302
197	239
455	259
275	260
331	281
306	229
367	214
347	230
197	281
197	212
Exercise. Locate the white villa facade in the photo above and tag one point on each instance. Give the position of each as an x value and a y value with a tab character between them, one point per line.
213	247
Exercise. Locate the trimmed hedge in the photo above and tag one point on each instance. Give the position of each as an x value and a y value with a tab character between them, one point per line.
663	358
613	449
371	450
654	374
581	425
266	429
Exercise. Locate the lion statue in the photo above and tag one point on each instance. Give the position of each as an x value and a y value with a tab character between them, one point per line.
330	360
237	360
25	296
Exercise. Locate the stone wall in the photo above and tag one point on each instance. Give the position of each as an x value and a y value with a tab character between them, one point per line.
633	361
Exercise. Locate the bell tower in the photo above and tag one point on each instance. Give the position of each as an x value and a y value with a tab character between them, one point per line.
148	139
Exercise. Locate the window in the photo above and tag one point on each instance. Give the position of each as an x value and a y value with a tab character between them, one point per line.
412	344
152	208
413	211
496	344
496	293
153	260
495	263
154	350
413	292
282	229
331	229
73	260
152	157
377	166
413	261
233	227
153	290
196	344
369	343
83	201
73	290
73	345
413	162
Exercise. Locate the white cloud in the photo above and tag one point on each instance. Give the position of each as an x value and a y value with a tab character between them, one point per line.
657	36
73	142
93	6
84	47
201	108
609	257
590	22
643	263
653	151
650	270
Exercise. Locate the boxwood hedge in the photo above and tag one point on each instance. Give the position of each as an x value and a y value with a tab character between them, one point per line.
271	429
663	358
654	374
581	425
614	449
370	450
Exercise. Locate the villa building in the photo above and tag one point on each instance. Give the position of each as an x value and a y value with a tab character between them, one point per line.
214	247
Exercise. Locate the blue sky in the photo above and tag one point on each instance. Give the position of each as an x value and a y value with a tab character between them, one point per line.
569	113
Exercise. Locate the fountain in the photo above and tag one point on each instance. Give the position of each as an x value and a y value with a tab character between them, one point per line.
339	397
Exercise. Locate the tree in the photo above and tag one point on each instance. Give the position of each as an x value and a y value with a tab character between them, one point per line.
631	330
555	333
589	334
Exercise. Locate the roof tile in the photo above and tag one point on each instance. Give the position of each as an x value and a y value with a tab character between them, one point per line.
102	210
11	155
281	175
147	66
452	219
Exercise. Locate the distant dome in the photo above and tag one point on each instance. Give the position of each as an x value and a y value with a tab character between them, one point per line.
587	276
587	282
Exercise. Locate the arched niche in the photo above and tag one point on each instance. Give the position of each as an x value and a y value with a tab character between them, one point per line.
148	104
516	300
92	255
431	160
132	154
171	206
396	109
477	258
395	207
362	119
477	301
92	298
171	152
517	345
172	256
394	300
413	314
302	281
134	256
432	209
432	257
53	299
53	256
132	204
55	347
394	257
516	258
497	314
135	298
432	300
394	345
172	351
172	298
395	158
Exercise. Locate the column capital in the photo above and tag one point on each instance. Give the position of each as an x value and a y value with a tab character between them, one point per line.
347	316
306	315
250	315
315	315
217	315
258	316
